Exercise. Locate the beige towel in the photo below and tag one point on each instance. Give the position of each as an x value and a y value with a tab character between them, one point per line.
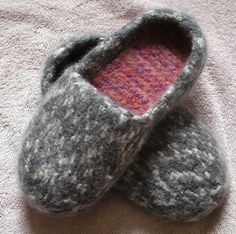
30	29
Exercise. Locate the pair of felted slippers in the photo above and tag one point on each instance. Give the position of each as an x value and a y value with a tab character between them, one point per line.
108	118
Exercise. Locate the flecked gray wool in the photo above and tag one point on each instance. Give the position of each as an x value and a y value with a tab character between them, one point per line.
80	141
180	174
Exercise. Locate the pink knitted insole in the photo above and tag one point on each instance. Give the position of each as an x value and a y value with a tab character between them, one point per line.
141	74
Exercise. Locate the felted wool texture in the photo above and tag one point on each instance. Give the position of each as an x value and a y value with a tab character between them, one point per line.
180	174
80	141
66	54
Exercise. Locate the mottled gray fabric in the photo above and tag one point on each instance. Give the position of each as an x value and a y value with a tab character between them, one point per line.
180	174
80	141
64	56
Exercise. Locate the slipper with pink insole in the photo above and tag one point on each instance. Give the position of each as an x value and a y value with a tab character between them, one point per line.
99	112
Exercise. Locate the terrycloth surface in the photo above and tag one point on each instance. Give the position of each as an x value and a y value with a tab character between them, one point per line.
29	29
140	75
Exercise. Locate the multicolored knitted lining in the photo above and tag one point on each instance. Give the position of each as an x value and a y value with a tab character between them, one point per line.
141	74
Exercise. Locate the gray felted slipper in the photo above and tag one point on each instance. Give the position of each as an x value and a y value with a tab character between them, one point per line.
100	111
180	174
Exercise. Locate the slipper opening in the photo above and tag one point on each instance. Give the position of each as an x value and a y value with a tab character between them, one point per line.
138	77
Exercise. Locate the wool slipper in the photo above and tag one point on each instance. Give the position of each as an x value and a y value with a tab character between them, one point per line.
180	174
100	111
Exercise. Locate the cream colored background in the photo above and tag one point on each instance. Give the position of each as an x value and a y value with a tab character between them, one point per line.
28	31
